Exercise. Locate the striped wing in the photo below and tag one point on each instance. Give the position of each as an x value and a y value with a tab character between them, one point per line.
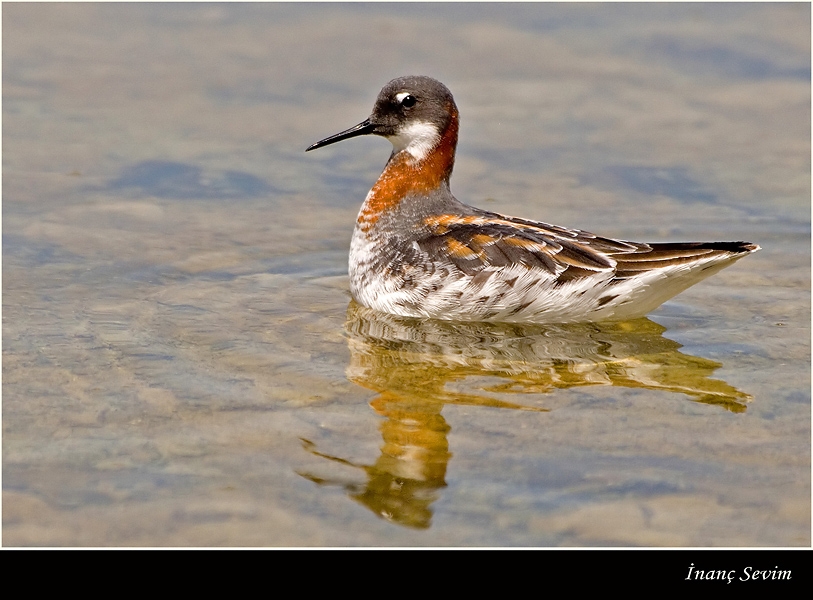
486	240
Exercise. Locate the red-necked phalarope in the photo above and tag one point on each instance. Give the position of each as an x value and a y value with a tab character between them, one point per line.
419	252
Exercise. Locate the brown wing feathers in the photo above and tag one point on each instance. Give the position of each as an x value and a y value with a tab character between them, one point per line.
672	254
475	242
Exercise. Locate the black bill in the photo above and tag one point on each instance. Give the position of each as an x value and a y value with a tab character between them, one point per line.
362	128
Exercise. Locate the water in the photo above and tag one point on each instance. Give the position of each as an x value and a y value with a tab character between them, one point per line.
182	364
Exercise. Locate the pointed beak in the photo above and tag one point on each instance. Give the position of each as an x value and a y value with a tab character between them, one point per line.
362	128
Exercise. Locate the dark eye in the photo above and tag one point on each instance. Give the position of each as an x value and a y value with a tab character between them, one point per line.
409	101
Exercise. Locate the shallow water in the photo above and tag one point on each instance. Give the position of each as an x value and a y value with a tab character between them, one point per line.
182	364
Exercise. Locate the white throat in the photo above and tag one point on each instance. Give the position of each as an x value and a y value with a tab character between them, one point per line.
418	138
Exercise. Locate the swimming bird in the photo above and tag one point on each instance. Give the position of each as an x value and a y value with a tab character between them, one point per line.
417	251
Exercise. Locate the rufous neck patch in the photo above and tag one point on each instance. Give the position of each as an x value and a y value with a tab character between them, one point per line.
405	175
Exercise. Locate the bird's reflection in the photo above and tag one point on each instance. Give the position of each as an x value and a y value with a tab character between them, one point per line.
417	367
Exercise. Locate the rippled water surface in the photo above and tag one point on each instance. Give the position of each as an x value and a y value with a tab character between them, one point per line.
182	364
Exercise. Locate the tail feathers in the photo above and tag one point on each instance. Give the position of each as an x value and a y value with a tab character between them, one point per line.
693	255
648	279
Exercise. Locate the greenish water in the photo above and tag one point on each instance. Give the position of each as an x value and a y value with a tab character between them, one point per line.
182	364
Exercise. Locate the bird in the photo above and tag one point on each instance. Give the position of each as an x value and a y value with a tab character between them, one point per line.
417	251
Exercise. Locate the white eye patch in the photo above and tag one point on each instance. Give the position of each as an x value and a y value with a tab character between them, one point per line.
400	96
